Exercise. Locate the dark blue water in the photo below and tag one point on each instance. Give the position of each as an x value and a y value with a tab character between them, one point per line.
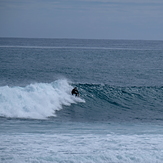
113	62
117	117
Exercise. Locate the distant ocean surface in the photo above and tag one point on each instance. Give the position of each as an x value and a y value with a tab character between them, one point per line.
118	117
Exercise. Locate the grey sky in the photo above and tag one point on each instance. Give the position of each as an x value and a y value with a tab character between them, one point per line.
101	19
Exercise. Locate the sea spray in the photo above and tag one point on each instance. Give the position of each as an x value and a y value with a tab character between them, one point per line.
38	101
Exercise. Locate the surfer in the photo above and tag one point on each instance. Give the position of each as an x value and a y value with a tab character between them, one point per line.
75	92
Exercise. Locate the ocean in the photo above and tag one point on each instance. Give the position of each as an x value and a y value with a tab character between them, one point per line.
117	118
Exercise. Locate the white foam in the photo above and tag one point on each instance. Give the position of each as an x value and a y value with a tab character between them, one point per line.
39	100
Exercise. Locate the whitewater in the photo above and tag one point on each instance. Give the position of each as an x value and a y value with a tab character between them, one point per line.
117	118
30	101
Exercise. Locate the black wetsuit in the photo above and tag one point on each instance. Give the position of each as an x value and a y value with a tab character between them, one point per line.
75	91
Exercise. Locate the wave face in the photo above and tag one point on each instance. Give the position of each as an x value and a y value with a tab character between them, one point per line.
112	103
97	102
38	101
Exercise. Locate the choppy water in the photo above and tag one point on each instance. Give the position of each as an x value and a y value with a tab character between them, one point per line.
117	118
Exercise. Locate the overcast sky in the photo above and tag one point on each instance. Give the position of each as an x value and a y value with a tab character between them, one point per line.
90	19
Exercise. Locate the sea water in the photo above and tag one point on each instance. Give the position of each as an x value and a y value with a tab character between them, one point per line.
118	117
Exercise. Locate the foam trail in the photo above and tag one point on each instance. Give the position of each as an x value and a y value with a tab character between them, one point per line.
38	101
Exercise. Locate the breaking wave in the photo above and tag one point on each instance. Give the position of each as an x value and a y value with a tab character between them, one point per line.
96	102
38	101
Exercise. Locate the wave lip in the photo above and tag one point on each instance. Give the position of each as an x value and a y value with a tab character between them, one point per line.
37	101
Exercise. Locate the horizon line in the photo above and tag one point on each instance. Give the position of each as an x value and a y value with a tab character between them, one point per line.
7	37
